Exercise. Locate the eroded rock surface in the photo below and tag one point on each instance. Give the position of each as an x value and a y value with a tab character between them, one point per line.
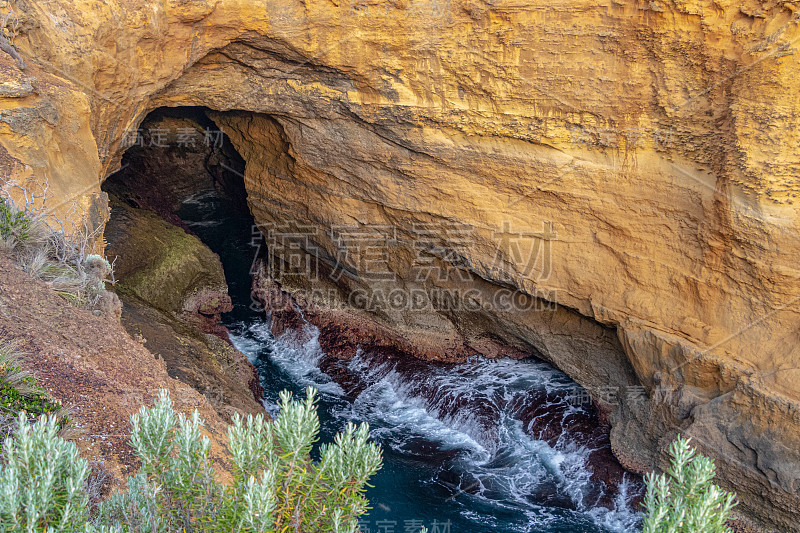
166	267
659	139
173	291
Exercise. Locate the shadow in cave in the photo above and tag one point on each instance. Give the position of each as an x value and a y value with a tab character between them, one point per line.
180	166
177	153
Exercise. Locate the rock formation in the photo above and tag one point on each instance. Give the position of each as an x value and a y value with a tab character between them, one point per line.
631	166
173	290
172	285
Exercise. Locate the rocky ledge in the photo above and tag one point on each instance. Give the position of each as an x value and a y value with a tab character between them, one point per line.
173	292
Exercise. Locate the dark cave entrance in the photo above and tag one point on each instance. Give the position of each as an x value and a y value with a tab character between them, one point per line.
173	154
183	168
178	236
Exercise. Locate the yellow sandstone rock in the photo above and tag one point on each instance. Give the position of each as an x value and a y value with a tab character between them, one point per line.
659	139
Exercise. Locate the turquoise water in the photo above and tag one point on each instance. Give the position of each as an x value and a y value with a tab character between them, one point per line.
458	451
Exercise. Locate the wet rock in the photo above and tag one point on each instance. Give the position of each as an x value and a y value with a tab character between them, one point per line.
545	416
166	267
173	292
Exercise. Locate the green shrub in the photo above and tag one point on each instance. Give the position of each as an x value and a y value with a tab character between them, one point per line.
18	390
685	499
277	487
36	403
42	480
13	224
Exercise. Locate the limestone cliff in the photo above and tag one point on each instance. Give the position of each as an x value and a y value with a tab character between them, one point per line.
650	146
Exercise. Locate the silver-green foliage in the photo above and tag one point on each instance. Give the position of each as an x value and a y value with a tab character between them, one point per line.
686	499
276	484
42	480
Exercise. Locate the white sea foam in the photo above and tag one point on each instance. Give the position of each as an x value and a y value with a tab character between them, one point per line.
467	409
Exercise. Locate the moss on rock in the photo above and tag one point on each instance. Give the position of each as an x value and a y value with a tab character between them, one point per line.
163	265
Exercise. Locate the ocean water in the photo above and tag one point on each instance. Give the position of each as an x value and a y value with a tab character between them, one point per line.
460	453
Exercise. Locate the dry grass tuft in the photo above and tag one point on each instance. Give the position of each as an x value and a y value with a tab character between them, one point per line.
57	259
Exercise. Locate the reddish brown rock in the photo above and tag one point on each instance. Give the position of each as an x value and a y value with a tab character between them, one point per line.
94	367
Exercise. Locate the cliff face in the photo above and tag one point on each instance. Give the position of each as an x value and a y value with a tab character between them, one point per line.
635	162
